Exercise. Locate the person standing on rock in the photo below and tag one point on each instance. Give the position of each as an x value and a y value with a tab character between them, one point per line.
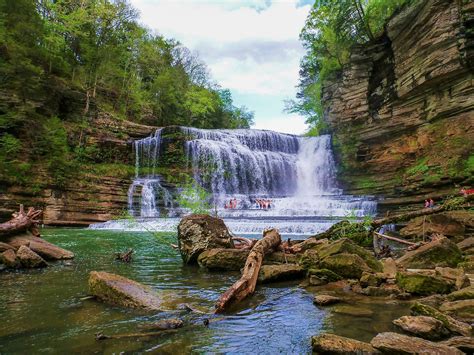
427	203
431	203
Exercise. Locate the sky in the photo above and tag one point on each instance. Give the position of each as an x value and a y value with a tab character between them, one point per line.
250	46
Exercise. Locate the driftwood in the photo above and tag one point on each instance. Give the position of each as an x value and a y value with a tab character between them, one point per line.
402	241
125	257
21	222
245	286
244	243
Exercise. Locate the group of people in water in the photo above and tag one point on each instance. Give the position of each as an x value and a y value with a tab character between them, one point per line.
263	204
259	204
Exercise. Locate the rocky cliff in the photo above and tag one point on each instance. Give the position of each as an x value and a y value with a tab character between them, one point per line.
402	111
95	193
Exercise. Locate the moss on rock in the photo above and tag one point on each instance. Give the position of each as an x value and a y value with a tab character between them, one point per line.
420	284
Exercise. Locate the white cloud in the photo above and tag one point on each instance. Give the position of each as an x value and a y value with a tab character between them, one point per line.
250	46
290	123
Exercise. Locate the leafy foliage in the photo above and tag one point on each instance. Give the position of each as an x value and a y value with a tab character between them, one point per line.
194	198
331	29
98	53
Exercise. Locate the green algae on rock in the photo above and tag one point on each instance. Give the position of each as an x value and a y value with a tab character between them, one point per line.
420	284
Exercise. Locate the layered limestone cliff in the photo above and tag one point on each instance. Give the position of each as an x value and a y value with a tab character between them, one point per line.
402	111
96	193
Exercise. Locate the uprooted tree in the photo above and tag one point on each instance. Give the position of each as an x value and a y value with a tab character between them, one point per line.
22	222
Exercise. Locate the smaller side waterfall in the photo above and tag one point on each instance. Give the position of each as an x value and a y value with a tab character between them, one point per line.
147	153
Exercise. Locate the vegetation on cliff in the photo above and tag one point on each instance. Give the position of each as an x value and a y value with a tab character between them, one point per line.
330	31
63	62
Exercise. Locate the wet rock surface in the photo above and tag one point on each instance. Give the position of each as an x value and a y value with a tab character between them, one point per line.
334	344
29	259
272	273
120	291
325	300
197	233
394	343
422	326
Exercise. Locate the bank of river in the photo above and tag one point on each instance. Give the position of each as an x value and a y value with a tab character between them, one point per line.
41	311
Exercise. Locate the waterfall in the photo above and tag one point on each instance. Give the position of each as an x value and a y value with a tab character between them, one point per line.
297	174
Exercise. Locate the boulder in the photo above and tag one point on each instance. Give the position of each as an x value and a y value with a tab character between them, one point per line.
325	274
197	233
324	300
369	279
433	224
279	257
49	251
335	344
9	259
271	273
309	259
440	252
5	246
465	344
317	281
223	259
347	246
457	276
466	244
29	259
462	309
453	325
433	300
120	291
40	246
420	284
389	268
349	266
394	343
381	291
462	294
422	326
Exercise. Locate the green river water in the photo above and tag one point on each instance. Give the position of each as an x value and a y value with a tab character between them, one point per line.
42	311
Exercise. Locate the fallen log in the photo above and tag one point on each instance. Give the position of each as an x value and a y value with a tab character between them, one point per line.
125	257
245	286
402	241
21	222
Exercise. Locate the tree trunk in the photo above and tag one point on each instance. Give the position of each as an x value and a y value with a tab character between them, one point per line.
21	222
245	286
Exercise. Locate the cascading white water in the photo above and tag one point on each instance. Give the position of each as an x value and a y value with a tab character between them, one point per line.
297	174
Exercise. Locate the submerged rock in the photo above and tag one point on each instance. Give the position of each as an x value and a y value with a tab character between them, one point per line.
29	259
335	344
9	259
422	326
324	300
354	311
453	325
223	259
198	232
420	284
394	343
440	252
270	273
120	291
164	324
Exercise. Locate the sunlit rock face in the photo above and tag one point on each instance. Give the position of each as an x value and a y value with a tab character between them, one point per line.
402	110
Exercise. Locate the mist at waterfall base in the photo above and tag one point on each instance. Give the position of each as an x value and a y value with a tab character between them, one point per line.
297	174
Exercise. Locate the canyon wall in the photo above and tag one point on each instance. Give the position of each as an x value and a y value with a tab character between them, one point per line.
402	111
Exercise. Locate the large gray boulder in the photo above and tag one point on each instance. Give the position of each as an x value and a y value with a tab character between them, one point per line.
120	291
197	233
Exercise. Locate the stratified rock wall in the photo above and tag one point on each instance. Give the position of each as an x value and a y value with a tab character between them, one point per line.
402	110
